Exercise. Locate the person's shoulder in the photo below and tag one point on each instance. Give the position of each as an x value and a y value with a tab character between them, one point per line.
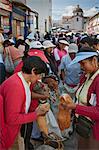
12	81
66	57
96	79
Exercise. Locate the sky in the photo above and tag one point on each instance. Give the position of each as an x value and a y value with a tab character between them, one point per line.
65	7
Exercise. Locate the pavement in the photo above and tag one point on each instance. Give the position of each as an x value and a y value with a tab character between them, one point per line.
70	144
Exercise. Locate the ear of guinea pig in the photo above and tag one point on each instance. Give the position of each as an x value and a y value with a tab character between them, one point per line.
66	99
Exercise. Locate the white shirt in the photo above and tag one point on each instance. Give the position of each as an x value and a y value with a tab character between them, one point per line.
27	92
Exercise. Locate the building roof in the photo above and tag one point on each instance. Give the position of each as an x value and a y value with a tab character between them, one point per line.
94	16
66	17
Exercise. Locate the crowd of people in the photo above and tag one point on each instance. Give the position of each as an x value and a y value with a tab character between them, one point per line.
33	76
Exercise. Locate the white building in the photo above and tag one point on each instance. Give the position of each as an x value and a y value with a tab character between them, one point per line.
75	22
44	9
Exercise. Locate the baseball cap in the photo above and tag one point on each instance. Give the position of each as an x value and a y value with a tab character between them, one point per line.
39	53
48	44
36	44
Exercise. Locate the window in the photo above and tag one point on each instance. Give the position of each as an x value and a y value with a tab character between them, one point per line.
45	25
77	19
36	22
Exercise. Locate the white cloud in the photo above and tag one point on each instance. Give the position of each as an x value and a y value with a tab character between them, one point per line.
91	12
68	11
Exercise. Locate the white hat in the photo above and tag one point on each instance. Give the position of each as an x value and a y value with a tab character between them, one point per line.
63	42
31	36
48	44
36	44
73	48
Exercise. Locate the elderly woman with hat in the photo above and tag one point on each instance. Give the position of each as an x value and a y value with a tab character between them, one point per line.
87	96
60	50
48	53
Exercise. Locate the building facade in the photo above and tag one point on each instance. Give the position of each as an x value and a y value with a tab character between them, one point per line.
22	18
93	25
5	12
16	17
44	9
75	22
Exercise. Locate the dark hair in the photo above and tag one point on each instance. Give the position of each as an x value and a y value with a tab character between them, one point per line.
86	49
34	62
19	42
25	52
87	40
6	43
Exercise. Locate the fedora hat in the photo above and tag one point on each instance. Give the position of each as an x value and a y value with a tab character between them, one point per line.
48	44
37	45
64	42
